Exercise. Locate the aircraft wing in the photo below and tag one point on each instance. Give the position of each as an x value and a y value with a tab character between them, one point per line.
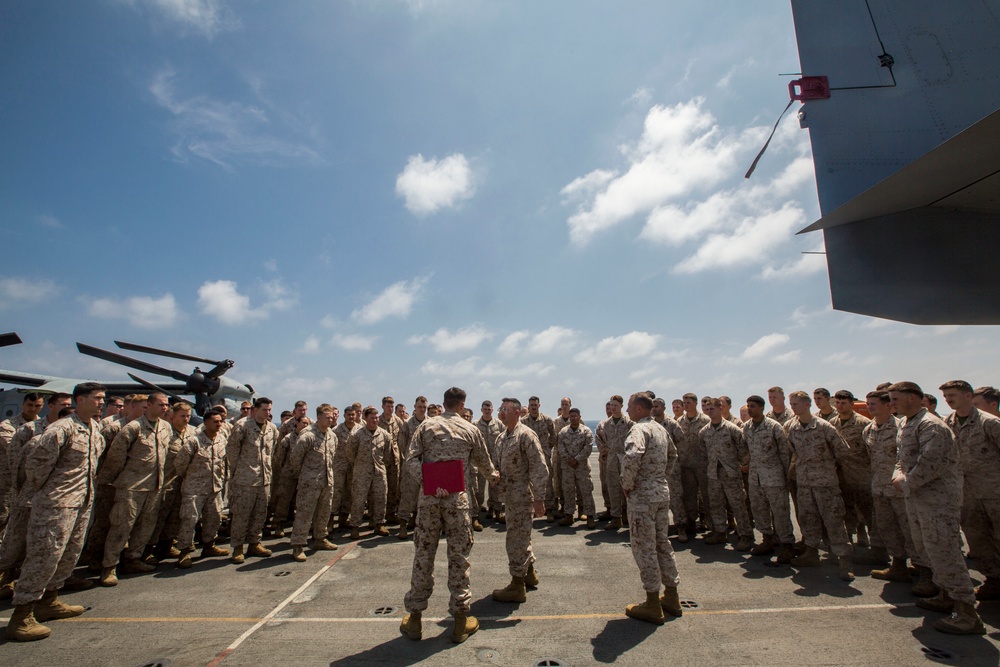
54	383
906	146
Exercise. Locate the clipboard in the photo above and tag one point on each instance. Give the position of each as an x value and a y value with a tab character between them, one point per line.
448	475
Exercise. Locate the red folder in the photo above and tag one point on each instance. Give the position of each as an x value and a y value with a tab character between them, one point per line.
448	475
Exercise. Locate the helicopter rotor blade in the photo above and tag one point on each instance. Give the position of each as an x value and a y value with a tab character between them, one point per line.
10	339
115	358
150	385
165	353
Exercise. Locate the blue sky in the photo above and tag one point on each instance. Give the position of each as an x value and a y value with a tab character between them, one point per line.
354	199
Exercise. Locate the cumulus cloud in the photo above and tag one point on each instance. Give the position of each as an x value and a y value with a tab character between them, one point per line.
354	342
311	345
443	340
543	342
16	289
619	348
764	345
396	300
229	132
145	312
427	186
222	300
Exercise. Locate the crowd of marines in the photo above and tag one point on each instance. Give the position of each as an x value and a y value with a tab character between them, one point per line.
121	489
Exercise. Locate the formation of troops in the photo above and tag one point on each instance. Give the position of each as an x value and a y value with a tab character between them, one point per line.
121	488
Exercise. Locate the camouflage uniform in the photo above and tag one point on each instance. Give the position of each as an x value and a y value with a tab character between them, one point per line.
674	474
770	456
558	424
447	437
611	438
104	499
929	456
7	429
726	450
248	452
392	426
979	450
818	447
14	543
168	521
544	428
523	475
134	464
201	466
693	462
340	503
888	505
312	460
827	417
649	455
785	418
577	445
283	481
60	468
856	472
365	450
491	431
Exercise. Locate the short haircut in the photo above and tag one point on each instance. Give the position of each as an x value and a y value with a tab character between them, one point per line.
349	408
155	394
181	406
140	398
387	399
881	396
676	400
660	401
989	394
961	385
60	396
31	397
821	391
453	397
535	399
65	412
690	397
643	400
844	395
285	414
728	401
907	387
802	395
262	400
420	398
300	404
513	401
932	399
883	386
325	407
618	398
778	390
218	410
576	410
370	410
487	404
756	400
87	388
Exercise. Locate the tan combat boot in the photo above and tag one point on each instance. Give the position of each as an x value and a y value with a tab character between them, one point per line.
844	564
51	608
210	550
324	545
670	602
682	533
258	549
897	571
476	526
941	602
649	611
567	520
716	537
237	557
531	579
514	592
381	530
614	524
77	584
963	621
109	577
184	562
402	534
7	580
591	522
765	548
298	555
465	625
411	626
745	543
23	627
135	566
809	558
786	552
925	586
356	533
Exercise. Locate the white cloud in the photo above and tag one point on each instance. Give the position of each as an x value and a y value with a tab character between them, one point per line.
311	345
681	151
354	342
221	299
396	300
145	312
50	221
228	132
329	322
619	348
543	342
205	16
443	340
764	345
25	290
787	357
472	368
430	185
